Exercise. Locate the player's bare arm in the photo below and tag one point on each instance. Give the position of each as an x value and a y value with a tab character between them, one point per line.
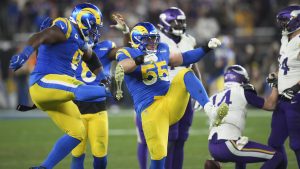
128	65
47	36
271	100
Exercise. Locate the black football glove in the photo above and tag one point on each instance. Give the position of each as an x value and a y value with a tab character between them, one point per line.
139	60
272	80
289	93
249	87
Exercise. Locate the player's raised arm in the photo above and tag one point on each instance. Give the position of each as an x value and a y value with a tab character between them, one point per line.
267	103
121	26
192	56
49	35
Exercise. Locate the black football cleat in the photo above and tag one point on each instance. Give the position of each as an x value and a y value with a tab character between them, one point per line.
39	167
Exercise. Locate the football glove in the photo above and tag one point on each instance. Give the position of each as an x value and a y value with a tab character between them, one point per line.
18	60
289	93
214	43
121	24
139	59
272	80
249	87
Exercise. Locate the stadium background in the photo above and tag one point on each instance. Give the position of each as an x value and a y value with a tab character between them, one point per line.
250	38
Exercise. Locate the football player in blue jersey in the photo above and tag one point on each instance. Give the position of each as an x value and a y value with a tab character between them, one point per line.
52	83
172	30
94	113
158	102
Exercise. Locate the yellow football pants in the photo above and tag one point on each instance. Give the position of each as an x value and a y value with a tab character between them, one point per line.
96	126
58	103
162	113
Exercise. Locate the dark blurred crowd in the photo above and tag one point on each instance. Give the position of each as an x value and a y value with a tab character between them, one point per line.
247	29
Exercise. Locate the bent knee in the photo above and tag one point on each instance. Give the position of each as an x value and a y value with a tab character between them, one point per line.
158	151
79	132
99	149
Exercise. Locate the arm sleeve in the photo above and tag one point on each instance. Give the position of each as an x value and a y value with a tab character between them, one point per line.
102	49
254	100
64	25
192	56
122	54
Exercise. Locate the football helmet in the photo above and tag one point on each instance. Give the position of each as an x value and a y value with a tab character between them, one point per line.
145	37
236	73
289	19
89	19
172	21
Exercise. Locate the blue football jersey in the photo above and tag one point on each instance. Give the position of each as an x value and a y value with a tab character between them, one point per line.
59	58
84	74
147	80
101	49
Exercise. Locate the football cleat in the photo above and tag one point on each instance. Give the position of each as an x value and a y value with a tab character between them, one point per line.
119	78
40	167
221	113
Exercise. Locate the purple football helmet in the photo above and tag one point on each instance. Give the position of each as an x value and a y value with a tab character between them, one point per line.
289	18
236	73
172	21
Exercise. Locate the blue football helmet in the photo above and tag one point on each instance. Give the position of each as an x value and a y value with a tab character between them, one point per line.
145	37
89	19
236	73
289	19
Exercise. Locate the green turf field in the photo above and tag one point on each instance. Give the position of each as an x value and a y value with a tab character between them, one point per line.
26	142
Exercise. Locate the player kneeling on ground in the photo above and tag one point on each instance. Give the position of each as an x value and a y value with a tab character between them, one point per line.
226	143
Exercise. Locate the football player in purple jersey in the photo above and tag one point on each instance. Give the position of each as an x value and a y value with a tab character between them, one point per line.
226	142
286	116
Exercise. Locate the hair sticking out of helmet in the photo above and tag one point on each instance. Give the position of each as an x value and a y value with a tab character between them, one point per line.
88	18
289	19
145	37
236	73
172	21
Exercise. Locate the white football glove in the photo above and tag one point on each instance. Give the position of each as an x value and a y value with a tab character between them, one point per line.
214	43
150	58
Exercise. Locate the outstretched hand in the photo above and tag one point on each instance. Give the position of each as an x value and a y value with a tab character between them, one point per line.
120	23
214	43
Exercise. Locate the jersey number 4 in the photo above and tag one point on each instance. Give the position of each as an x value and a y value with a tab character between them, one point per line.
284	66
225	98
